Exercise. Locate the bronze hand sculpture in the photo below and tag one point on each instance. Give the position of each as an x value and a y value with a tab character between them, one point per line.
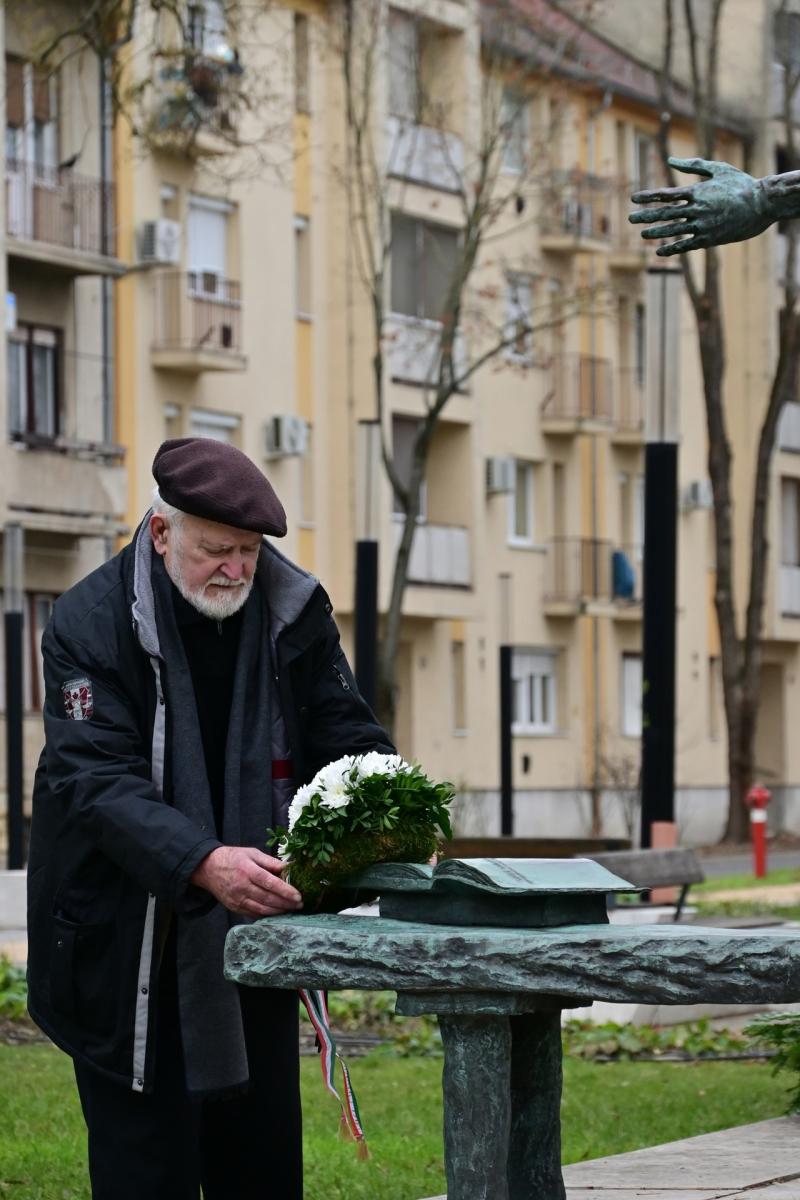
727	205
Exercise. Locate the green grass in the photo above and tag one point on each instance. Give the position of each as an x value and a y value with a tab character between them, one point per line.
745	880
608	1109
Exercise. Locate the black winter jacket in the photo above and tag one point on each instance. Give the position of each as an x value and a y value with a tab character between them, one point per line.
110	858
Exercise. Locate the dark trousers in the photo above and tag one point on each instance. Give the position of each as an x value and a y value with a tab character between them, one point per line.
165	1146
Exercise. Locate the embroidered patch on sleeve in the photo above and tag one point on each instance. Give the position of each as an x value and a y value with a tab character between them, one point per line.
78	700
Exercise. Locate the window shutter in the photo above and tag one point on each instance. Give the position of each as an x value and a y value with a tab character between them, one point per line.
43	84
15	93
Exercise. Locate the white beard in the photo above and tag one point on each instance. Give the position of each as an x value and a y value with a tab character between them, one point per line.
219	605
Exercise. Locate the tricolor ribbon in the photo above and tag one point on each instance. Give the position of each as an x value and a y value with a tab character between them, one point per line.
350	1127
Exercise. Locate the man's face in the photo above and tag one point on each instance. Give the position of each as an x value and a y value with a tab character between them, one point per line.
211	565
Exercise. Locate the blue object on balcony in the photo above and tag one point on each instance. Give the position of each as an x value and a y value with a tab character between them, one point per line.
622	576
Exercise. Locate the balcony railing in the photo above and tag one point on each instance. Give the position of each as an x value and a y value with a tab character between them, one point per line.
198	312
440	554
414	345
59	208
583	570
423	154
575	206
579	390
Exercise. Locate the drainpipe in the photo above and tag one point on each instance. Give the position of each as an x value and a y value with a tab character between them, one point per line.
106	246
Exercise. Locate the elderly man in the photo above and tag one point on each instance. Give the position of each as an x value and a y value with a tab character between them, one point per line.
192	683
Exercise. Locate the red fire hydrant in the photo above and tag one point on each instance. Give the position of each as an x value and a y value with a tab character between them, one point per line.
757	800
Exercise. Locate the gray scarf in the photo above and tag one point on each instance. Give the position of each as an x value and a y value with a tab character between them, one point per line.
210	1014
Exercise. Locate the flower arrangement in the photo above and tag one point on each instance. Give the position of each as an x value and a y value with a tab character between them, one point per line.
359	810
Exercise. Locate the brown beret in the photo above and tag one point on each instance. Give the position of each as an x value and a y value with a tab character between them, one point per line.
214	480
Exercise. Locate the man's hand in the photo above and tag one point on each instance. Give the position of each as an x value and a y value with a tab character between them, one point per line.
246	881
726	206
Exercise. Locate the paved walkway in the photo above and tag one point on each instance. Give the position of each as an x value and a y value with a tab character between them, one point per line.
768	893
750	1162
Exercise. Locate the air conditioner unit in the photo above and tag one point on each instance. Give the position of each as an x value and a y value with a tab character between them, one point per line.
285	435
160	242
697	494
501	475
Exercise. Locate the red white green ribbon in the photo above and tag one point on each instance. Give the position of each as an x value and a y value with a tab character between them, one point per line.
351	1127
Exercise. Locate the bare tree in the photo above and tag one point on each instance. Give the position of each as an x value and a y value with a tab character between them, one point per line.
470	329
740	640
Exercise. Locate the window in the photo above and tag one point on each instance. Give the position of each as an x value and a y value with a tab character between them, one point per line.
38	607
640	344
514	131
404	433
459	686
533	679
302	267
206	27
404	89
786	39
423	261
302	64
222	427
31	115
172	421
34	359
521	506
519	314
207	244
790	522
632	695
644	160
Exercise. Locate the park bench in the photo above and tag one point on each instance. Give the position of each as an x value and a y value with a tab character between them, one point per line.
650	869
499	993
532	847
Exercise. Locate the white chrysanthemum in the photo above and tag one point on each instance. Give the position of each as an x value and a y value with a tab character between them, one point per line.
334	776
375	763
301	798
335	797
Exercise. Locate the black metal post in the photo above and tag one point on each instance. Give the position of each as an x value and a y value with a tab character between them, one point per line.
14	748
658	635
366	620
506	757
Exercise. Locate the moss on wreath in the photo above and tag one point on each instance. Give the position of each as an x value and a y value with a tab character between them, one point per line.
354	853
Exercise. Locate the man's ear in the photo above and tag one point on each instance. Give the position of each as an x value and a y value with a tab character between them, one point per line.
158	532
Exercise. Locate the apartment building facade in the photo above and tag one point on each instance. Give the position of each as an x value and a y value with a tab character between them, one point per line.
221	294
62	469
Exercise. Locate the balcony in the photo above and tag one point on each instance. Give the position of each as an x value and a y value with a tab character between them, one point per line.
789	428
592	575
575	213
628	407
413	350
579	395
425	155
198	319
195	107
61	219
61	470
440	554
